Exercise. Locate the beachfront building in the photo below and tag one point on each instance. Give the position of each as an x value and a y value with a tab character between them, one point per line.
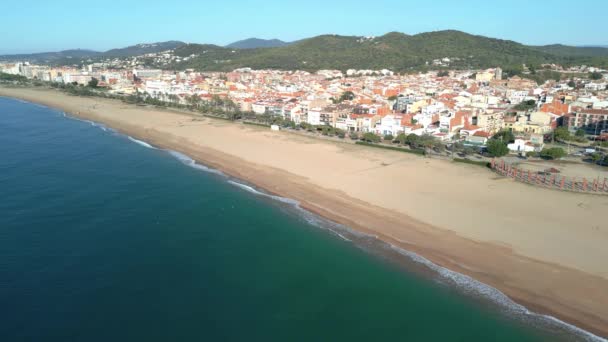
592	121
314	116
389	124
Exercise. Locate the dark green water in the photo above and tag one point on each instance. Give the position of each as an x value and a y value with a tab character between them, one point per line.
103	239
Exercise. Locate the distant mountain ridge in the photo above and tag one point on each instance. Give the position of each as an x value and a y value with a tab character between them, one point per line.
255	43
129	51
573	51
396	51
50	56
142	49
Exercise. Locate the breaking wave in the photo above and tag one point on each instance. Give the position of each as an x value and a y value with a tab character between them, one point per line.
463	283
470	286
142	143
92	123
192	163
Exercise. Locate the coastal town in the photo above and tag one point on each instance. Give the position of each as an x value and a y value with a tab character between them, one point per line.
461	108
279	171
452	163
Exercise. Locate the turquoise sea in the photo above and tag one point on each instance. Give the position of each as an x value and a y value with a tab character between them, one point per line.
103	238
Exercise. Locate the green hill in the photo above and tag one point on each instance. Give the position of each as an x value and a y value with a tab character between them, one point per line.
394	51
50	57
573	51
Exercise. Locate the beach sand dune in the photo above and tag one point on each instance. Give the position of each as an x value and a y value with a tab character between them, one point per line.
545	249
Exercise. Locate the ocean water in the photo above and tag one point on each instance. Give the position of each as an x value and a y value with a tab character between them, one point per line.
106	238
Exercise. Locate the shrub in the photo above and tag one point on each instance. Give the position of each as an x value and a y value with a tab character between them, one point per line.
497	148
505	136
552	153
371	137
472	162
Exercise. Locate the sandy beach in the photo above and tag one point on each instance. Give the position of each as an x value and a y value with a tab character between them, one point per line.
545	249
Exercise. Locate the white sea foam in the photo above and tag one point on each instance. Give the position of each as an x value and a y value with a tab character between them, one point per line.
92	123
142	143
22	101
192	163
469	285
312	219
260	193
462	282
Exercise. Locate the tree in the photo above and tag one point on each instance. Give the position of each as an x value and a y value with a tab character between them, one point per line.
93	82
194	100
572	84
392	98
561	133
595	76
306	126
443	73
552	153
504	135
389	137
371	137
497	148
526	105
580	133
412	140
596	157
347	96
12	78
427	141
401	138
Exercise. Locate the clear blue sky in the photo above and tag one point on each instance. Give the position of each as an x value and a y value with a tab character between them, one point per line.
50	25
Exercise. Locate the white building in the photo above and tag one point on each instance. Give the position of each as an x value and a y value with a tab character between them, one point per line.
517	96
390	124
520	145
314	116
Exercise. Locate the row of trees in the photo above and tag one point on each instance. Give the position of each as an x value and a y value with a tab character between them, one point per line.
412	140
217	106
563	134
552	153
10	78
325	130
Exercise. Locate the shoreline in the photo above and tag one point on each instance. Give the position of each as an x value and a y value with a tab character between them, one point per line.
566	293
